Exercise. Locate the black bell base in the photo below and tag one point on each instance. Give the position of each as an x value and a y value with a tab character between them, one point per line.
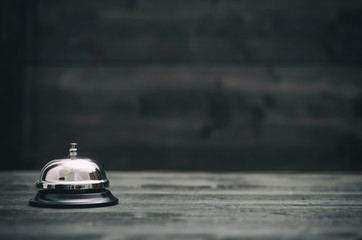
73	199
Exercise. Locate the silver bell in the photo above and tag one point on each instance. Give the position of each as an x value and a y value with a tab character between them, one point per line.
73	182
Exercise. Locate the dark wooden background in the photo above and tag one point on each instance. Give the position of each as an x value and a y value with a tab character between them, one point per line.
187	85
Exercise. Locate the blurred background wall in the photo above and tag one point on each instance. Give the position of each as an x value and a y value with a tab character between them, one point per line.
183	85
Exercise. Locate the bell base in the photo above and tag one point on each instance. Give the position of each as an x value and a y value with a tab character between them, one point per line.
73	199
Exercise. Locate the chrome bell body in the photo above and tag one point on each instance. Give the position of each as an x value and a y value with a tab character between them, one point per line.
73	182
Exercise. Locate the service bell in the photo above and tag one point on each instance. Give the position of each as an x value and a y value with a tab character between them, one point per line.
73	182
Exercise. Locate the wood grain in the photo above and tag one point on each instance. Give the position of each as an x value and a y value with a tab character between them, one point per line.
163	117
166	205
191	85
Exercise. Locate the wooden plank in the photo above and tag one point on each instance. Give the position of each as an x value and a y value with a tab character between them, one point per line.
202	31
156	205
250	117
250	78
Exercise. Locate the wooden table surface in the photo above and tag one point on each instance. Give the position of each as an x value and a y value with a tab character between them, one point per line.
167	205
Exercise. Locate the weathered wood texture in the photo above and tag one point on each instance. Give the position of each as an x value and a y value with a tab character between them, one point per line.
136	31
203	118
195	85
160	205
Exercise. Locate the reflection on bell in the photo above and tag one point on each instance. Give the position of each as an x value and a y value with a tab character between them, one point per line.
71	183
